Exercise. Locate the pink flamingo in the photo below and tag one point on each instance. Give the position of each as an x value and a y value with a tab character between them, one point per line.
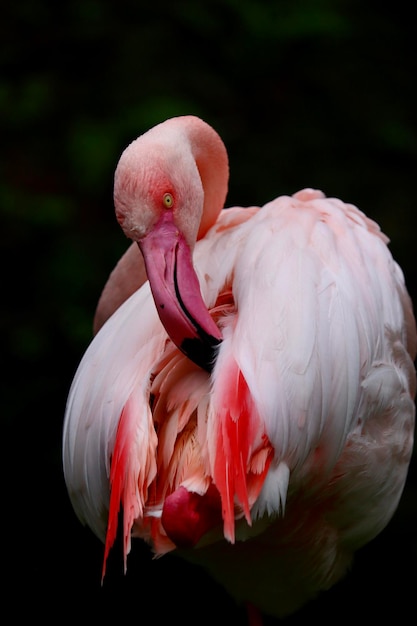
251	406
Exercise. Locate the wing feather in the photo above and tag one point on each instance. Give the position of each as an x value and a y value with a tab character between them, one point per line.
315	288
117	362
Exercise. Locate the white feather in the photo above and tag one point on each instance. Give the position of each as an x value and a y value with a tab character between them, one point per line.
117	362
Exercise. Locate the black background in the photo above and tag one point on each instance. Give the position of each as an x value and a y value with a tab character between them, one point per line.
308	93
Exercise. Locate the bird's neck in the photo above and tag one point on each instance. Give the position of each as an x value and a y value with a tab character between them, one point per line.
212	162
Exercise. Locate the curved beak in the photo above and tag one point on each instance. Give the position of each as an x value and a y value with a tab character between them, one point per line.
176	292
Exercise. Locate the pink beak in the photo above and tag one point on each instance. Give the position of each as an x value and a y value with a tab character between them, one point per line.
176	292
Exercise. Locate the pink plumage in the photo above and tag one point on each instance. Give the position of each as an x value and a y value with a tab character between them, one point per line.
251	404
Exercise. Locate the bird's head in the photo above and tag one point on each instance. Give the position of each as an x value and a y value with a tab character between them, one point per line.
165	199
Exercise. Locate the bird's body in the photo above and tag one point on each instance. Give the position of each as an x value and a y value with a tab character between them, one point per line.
281	446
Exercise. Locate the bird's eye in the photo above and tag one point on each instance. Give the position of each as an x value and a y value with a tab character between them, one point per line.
168	200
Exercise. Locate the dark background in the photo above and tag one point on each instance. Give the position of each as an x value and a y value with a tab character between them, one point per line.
308	93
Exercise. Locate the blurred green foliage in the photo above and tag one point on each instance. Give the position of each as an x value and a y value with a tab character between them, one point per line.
315	93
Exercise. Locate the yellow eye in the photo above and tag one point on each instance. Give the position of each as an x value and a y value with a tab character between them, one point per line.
168	200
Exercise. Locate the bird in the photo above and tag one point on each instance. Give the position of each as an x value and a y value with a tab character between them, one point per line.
247	399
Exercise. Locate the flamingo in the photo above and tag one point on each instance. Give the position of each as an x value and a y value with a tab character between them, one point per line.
248	397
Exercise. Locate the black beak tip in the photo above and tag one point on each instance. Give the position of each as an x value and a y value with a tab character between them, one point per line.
201	352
